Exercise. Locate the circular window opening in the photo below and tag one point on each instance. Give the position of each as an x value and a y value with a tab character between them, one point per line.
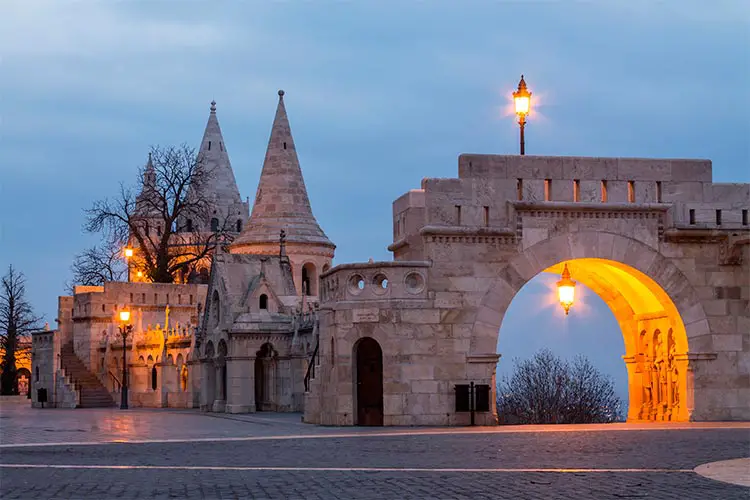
380	281
356	284
414	282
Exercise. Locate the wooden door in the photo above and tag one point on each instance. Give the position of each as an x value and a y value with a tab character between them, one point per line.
369	382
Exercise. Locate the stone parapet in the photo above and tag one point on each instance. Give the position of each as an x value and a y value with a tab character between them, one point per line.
370	281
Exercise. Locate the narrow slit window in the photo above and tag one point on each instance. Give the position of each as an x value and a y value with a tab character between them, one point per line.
604	191
692	216
744	217
631	191
486	216
519	185
547	189
458	214
658	191
209	145
576	190
718	217
285	145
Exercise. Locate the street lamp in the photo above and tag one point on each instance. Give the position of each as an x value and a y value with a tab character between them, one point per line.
128	252
566	290
522	101
125	329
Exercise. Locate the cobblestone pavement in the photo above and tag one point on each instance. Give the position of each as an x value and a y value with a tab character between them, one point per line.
277	457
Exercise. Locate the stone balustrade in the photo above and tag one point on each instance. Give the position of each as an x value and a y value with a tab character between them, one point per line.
375	281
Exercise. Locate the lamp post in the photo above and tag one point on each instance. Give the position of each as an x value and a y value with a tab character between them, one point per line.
128	252
125	329
522	101
566	289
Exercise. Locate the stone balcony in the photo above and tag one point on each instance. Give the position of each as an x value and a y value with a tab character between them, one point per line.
375	281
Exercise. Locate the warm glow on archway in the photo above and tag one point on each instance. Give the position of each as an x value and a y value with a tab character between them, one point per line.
656	347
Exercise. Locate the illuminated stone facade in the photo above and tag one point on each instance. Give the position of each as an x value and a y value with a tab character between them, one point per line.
664	246
244	349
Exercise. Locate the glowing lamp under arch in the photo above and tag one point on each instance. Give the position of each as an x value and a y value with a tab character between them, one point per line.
566	290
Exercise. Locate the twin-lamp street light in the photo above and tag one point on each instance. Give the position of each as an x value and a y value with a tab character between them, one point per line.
125	329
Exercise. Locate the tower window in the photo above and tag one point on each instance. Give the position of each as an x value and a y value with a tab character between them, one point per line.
239	225
692	216
486	216
576	190
631	191
519	186
209	145
214	224
263	302
285	145
189	225
658	191
221	146
744	217
604	191
547	189
458	215
718	217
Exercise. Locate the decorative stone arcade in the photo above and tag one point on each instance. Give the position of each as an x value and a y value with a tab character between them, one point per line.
663	246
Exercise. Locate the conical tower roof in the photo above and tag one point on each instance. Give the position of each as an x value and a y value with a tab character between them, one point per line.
223	187
281	201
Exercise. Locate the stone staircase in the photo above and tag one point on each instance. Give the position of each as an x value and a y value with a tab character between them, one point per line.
92	394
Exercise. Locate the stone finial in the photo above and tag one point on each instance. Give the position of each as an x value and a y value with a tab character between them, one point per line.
281	93
46	327
213	106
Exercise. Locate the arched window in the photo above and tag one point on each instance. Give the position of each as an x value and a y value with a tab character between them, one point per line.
263	302
214	224
189	225
215	309
309	279
153	377
239	225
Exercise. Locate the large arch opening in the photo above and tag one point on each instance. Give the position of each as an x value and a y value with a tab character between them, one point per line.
644	290
369	382
652	331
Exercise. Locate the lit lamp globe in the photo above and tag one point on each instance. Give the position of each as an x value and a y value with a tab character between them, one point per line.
522	100
128	253
566	290
124	316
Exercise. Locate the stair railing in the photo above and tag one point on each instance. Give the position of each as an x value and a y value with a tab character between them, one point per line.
311	366
116	384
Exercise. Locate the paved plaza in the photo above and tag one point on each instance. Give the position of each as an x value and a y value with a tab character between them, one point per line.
109	453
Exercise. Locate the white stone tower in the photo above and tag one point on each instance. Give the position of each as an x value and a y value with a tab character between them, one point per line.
228	210
281	203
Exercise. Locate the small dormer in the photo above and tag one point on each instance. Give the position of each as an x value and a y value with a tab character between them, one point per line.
262	299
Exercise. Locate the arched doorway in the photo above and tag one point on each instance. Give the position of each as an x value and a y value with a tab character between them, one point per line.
265	378
654	335
369	382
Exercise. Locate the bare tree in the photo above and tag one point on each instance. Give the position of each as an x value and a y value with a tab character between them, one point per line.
98	264
167	222
548	390
17	321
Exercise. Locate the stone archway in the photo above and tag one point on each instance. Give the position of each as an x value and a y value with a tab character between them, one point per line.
658	311
369	382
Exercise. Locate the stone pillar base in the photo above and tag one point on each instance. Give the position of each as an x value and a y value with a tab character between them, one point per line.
240	409
218	406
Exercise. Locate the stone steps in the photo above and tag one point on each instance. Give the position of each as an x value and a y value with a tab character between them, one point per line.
92	393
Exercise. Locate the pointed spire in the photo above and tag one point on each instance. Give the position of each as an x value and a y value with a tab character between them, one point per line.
223	186
281	202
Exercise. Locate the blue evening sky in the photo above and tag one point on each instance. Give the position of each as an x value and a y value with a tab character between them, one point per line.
380	94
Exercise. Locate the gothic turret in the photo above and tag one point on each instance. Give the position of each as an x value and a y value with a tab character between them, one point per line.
228	210
281	203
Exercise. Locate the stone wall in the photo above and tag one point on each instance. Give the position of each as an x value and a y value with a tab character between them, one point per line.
504	220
